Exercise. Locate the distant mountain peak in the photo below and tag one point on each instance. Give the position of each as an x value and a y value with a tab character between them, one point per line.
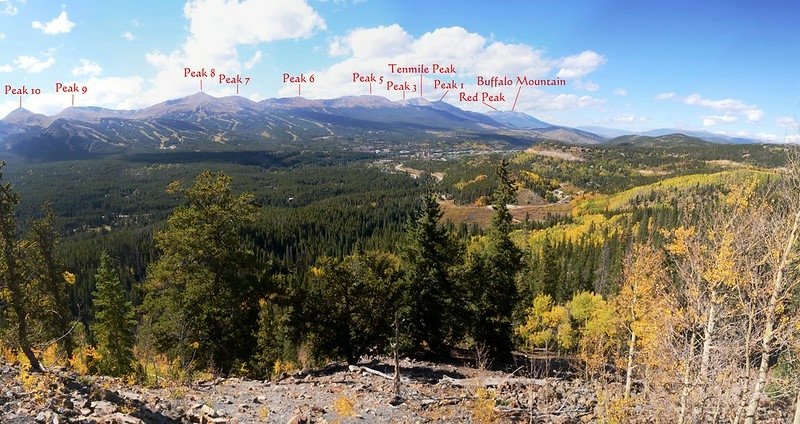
22	116
368	101
415	101
518	120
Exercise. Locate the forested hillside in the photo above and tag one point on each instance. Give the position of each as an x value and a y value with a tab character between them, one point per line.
662	279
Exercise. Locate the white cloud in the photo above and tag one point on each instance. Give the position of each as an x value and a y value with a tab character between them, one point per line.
338	47
750	112
109	92
630	118
33	65
128	36
753	115
370	42
712	120
371	50
136	23
579	65
217	26
8	7
589	86
216	29
664	96
2	36
253	60
114	92
787	122
6	68
59	25
620	92
539	100
724	104
87	67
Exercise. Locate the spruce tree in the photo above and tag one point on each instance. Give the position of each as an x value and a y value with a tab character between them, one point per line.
114	322
493	275
12	275
350	305
202	295
47	277
427	289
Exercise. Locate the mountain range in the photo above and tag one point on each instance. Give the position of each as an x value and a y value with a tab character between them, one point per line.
201	121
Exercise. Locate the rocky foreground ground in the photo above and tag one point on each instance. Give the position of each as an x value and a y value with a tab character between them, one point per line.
337	394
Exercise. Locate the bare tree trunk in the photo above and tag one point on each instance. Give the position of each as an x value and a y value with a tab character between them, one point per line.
22	330
705	358
747	350
629	371
766	348
708	339
396	347
686	381
769	321
797	409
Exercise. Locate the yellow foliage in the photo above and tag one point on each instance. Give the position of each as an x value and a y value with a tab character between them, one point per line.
317	271
263	413
50	356
344	406
69	278
594	228
83	360
482	410
599	328
461	184
159	371
644	306
36	384
482	201
680	240
281	367
8	354
613	408
722	269
593	204
547	323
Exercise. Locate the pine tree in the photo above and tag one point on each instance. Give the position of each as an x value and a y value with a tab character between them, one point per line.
351	305
202	301
492	276
11	272
114	321
427	288
48	279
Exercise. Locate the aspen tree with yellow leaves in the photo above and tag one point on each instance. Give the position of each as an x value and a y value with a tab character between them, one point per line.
773	267
644	309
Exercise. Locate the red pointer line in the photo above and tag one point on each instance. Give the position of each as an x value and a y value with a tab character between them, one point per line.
298	89
73	100
516	98
445	93
237	89
201	85
487	104
20	101
370	88
420	85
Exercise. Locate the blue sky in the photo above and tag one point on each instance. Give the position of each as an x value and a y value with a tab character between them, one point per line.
721	66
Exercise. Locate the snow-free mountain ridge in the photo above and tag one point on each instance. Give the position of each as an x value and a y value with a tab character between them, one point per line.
199	119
